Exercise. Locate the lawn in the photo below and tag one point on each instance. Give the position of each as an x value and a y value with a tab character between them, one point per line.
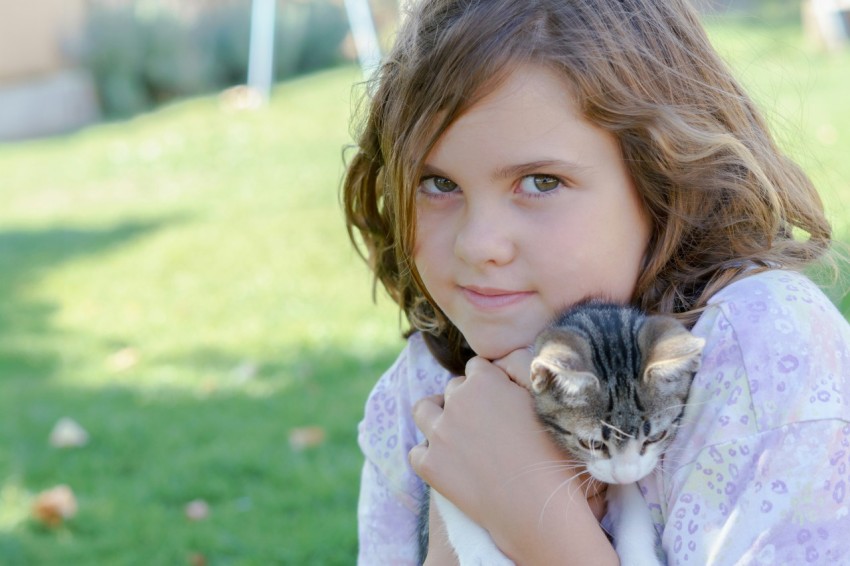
181	285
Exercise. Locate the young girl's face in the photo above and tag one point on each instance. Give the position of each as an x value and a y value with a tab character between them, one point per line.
525	208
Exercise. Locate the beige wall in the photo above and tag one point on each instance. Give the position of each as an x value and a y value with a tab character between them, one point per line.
35	36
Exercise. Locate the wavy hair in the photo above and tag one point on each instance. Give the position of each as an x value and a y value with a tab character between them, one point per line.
723	200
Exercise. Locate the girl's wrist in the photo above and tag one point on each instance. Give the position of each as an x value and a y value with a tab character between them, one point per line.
551	522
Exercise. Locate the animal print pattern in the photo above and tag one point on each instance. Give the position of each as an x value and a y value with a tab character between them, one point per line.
758	473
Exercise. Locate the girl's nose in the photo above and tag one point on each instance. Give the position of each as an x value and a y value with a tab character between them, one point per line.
484	236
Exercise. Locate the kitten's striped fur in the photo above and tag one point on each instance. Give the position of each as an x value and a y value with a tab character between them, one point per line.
610	384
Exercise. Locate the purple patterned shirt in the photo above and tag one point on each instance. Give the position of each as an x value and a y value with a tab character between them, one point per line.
758	472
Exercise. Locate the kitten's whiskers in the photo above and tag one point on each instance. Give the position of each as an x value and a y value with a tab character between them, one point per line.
617	430
566	482
550	466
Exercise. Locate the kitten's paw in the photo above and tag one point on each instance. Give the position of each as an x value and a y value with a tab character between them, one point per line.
634	533
637	553
489	557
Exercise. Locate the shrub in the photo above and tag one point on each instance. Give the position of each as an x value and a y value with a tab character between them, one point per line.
142	59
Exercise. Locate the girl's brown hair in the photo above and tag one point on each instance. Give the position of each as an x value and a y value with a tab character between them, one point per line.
722	198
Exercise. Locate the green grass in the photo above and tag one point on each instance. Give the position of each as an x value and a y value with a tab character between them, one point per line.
803	93
209	245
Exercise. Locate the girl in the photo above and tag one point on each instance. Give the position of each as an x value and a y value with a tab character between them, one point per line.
518	157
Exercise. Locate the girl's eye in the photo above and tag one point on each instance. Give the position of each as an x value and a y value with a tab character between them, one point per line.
657	437
592	445
437	185
537	184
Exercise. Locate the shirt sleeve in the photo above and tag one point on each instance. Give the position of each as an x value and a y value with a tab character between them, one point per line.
386	526
390	492
759	471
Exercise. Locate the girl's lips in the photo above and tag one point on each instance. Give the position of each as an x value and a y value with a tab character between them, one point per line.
489	298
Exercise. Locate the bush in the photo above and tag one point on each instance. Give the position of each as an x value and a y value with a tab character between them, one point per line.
141	60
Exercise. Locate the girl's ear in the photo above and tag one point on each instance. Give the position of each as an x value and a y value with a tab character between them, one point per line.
672	354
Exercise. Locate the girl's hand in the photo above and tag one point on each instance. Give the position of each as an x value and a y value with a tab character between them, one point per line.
517	365
487	453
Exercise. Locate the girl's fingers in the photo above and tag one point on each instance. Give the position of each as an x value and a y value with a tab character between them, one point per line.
517	365
476	364
416	455
452	386
426	411
426	415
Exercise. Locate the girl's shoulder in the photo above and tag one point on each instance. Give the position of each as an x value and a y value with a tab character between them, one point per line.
779	317
762	295
777	350
762	444
414	374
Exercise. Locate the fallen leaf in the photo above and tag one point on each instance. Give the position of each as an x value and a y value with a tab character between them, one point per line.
241	97
55	505
306	437
207	387
67	433
244	372
123	359
197	510
197	559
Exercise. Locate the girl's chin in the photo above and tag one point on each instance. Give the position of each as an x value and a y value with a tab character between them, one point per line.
492	351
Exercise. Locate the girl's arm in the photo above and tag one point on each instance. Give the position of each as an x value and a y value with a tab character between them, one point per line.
488	454
390	492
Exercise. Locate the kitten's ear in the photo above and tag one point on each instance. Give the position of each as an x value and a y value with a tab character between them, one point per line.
573	387
671	353
562	363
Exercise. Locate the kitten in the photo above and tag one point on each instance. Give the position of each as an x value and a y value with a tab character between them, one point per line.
610	385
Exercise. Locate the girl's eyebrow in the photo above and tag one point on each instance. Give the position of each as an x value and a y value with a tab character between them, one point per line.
513	171
429	170
522	169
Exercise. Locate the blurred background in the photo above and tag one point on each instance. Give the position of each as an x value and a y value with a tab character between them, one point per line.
187	337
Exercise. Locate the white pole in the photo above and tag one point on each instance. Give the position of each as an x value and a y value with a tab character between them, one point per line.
261	58
365	37
828	16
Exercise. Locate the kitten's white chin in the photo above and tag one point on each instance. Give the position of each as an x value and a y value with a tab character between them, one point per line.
622	475
623	468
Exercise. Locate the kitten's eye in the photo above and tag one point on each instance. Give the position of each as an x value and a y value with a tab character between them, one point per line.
592	445
657	437
437	185
537	184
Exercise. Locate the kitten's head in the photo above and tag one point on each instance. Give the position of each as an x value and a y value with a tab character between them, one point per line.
614	399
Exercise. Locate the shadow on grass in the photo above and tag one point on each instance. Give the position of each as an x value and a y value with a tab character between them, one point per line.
154	449
27	255
152	452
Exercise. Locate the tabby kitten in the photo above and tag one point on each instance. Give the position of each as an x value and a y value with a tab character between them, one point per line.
610	385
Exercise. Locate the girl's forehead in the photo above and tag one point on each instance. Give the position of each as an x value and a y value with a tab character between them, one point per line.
526	85
521	82
530	106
